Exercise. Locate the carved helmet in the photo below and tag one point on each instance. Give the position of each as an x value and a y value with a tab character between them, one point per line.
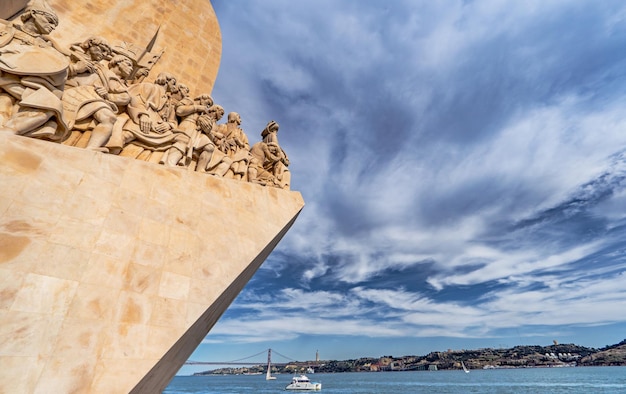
272	126
40	7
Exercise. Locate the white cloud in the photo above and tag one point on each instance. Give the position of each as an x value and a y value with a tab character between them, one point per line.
396	313
401	165
502	265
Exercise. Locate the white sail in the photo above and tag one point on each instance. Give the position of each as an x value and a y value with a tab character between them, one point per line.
268	375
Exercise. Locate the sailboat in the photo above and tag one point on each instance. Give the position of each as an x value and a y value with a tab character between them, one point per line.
268	375
464	367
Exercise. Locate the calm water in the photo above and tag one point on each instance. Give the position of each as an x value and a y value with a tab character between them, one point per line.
532	380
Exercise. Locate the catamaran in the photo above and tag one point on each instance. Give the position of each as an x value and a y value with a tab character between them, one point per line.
302	382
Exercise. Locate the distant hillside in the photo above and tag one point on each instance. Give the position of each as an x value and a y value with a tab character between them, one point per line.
557	355
610	355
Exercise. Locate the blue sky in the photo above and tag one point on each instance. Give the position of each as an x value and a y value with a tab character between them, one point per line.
463	165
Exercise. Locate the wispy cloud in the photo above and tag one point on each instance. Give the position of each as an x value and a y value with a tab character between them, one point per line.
462	164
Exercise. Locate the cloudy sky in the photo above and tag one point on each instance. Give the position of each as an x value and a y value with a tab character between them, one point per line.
463	165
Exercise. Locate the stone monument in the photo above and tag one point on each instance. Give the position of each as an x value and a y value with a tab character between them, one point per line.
130	217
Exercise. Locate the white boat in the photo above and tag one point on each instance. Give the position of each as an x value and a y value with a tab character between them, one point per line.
464	367
302	382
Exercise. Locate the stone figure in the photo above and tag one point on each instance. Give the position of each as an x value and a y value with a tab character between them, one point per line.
87	58
143	58
187	133
98	98
33	70
211	160
100	90
150	117
234	144
184	93
269	162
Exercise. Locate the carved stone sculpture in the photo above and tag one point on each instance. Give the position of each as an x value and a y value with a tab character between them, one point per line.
108	280
212	160
234	144
150	118
97	92
33	71
86	58
269	162
187	133
100	97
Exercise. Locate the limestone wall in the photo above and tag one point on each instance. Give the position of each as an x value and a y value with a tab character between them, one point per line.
112	270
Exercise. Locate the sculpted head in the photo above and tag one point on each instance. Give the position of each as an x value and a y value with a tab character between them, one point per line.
39	17
168	81
233	117
184	89
97	48
122	64
217	111
273	147
205	99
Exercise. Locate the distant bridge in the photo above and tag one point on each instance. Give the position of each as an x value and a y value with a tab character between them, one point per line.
191	362
245	360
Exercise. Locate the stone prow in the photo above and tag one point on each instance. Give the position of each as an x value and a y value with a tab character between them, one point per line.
160	375
113	270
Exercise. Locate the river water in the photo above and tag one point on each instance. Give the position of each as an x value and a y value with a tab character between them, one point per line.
570	380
